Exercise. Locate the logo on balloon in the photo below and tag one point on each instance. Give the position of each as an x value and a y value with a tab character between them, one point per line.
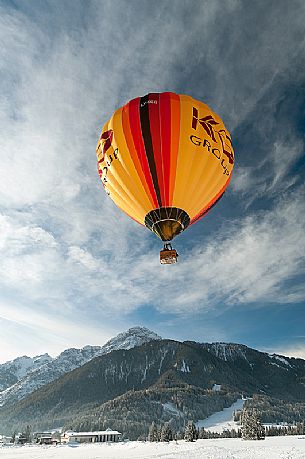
106	139
105	143
208	123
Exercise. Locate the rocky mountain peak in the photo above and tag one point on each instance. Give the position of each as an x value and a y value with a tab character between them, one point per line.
43	358
135	336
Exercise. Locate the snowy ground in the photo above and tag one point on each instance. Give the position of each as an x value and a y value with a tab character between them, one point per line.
292	447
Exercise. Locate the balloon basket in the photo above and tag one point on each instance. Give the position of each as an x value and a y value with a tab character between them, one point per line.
168	255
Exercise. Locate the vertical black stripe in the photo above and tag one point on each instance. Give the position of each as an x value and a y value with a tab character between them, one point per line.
144	117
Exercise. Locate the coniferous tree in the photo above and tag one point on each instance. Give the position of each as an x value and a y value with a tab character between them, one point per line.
153	432
27	434
252	428
190	433
166	432
300	429
180	435
203	433
233	433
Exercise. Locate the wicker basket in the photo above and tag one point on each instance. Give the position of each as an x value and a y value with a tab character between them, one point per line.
168	257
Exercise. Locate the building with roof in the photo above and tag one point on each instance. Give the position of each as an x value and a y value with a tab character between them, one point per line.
45	438
101	436
5	440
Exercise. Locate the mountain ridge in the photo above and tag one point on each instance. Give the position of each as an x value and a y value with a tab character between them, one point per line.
133	379
196	378
24	375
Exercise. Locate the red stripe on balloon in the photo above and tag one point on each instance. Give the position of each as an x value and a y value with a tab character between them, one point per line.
165	134
132	150
135	126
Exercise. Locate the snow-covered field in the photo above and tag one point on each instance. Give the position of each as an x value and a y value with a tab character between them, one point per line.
228	448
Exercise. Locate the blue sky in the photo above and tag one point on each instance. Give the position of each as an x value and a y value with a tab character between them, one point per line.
74	270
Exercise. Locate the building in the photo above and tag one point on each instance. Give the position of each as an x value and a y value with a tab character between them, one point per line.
101	436
45	438
20	439
5	440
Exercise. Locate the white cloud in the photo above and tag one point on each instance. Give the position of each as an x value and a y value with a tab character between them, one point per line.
43	331
26	253
81	256
271	176
261	253
16	238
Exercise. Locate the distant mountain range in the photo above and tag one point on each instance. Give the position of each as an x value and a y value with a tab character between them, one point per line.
138	377
23	375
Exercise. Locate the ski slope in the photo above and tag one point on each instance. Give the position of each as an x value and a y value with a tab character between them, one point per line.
222	420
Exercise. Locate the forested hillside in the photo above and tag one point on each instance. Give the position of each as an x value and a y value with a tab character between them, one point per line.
162	380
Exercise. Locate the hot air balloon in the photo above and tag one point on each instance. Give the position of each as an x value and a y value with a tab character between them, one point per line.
165	160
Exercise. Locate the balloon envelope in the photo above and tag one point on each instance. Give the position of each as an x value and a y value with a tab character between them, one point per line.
165	159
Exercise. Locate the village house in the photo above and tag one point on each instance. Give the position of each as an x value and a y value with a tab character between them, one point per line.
20	439
5	440
45	438
102	436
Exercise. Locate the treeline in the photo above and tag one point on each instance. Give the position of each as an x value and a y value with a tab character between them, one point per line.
167	433
275	411
291	429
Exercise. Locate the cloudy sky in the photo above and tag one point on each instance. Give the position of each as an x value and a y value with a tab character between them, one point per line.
74	270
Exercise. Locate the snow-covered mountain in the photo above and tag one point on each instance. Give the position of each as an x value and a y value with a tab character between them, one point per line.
23	375
157	379
14	370
133	337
